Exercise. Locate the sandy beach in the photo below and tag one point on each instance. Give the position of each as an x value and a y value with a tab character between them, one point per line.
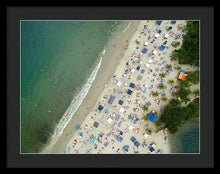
108	131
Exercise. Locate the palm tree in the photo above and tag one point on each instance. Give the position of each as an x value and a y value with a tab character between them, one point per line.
155	113
155	94
169	67
145	108
171	82
161	86
163	75
146	118
178	68
164	99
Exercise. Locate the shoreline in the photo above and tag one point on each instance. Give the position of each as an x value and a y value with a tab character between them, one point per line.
89	102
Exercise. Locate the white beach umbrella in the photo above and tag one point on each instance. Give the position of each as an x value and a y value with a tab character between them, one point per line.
109	120
118	83
146	43
132	70
154	52
150	61
147	65
121	110
131	127
156	35
146	135
166	35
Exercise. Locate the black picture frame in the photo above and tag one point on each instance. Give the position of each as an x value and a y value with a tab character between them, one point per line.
16	13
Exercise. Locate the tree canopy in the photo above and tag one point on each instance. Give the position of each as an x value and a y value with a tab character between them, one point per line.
189	51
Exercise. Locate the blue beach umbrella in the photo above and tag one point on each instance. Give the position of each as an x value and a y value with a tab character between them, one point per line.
77	127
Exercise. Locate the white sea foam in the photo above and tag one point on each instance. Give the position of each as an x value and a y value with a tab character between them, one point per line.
75	104
126	27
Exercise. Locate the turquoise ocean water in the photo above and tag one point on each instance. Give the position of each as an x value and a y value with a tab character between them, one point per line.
57	58
187	140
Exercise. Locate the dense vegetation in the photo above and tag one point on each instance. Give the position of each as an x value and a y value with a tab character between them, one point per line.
174	115
189	51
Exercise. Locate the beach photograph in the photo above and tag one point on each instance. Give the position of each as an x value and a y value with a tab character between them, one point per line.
110	87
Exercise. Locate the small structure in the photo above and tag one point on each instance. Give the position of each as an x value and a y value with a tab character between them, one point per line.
152	117
136	143
144	50
118	84
158	22
133	139
173	22
100	108
111	99
109	120
120	102
147	65
146	135
154	52
121	110
125	149
182	75
162	47
146	43
96	124
166	36
132	70
129	92
157	35
131	127
142	71
150	61
132	85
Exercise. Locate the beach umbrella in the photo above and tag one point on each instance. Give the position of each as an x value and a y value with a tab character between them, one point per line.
106	85
127	63
76	127
146	43
149	54
156	45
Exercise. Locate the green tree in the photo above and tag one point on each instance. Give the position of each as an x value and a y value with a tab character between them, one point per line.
189	52
169	66
163	75
164	99
149	131
183	93
170	82
155	94
185	83
161	86
145	108
146	118
193	77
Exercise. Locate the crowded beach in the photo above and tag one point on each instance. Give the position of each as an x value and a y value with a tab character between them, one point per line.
116	125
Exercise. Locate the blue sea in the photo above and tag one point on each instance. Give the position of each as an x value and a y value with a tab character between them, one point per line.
58	59
187	139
